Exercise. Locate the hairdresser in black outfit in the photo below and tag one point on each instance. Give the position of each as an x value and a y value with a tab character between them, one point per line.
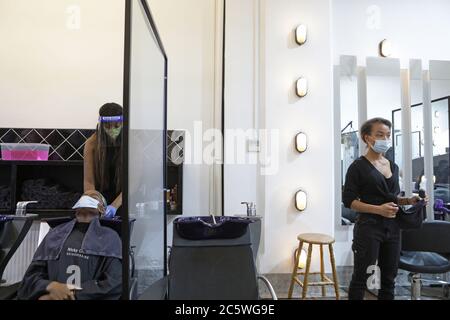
371	189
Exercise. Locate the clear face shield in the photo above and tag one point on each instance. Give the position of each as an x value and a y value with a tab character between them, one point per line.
112	128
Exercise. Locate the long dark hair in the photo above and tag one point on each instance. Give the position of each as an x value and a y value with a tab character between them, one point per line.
103	158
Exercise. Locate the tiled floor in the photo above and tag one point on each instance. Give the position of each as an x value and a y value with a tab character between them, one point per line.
281	282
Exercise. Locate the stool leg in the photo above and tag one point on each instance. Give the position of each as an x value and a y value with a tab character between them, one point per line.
308	265
322	270
333	266
295	271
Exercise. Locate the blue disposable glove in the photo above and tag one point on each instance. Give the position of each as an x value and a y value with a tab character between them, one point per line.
110	212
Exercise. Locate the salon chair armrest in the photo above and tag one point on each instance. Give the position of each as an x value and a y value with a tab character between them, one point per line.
157	291
269	286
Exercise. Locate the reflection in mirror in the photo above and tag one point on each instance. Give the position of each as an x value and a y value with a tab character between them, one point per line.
417	127
383	97
417	124
440	95
146	145
348	83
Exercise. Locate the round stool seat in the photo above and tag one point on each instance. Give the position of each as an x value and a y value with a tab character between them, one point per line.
315	238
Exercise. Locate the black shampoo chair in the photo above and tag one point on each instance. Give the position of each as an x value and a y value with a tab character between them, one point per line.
219	268
426	251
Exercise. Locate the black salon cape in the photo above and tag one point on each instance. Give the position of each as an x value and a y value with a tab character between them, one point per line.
96	252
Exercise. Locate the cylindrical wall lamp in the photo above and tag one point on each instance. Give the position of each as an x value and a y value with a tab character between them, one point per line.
302	260
301	142
302	87
385	48
301	200
301	34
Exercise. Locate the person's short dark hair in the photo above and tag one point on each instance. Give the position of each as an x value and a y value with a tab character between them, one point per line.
366	128
111	110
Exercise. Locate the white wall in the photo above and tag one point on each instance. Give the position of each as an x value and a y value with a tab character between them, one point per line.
416	28
312	171
279	109
52	76
241	101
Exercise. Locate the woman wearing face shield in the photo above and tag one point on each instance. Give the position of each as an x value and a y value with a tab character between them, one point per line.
103	158
371	189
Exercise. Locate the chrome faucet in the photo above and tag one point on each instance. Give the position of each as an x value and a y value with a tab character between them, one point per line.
251	208
21	208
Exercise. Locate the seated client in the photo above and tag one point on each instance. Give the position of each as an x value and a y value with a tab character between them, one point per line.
77	260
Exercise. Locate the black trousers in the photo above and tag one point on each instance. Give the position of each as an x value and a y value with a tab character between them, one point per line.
375	239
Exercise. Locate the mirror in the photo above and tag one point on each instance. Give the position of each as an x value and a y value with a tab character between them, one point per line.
348	84
440	96
417	123
383	98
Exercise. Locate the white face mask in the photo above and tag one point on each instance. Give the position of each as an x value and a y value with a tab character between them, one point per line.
381	146
86	202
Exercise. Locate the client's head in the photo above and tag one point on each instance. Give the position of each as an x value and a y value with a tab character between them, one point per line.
90	206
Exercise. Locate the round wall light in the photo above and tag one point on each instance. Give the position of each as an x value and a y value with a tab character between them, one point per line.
301	260
302	87
301	142
301	34
385	48
301	200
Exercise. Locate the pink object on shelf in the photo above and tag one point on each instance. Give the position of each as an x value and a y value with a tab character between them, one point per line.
25	151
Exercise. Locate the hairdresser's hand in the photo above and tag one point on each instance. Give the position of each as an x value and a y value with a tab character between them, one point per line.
59	291
110	212
416	198
388	210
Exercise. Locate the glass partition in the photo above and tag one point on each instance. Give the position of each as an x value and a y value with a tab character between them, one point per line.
146	149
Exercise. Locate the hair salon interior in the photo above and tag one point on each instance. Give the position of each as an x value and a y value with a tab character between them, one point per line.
209	149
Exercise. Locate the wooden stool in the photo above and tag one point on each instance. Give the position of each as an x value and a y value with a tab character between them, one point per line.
314	239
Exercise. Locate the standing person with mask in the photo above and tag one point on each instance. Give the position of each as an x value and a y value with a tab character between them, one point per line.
371	189
103	158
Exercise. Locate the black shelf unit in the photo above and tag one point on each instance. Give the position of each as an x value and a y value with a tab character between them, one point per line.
175	178
174	167
68	174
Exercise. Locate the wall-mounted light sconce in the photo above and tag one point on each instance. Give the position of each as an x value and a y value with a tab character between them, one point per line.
385	48
302	87
301	34
301	200
302	260
301	142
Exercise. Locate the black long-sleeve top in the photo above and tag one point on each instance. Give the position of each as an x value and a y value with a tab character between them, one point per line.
365	183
